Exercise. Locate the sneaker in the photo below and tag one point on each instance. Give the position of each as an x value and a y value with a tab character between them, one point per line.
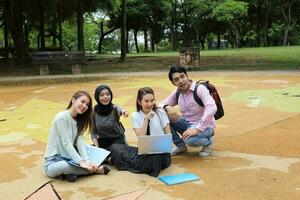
206	151
69	177
178	150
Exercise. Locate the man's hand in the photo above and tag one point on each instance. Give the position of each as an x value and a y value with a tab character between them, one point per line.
172	114
189	132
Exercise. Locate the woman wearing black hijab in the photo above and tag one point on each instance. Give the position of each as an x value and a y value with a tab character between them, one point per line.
107	128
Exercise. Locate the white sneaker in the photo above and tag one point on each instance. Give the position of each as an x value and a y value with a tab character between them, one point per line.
206	151
178	150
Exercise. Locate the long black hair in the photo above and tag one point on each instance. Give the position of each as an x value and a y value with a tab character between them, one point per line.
142	92
84	120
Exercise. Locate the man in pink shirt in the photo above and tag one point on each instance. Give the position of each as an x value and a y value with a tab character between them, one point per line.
197	124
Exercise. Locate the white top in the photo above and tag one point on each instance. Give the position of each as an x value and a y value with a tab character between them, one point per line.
156	123
62	136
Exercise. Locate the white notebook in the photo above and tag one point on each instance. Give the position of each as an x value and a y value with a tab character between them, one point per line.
96	155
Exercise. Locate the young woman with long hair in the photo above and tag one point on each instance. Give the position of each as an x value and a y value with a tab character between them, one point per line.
66	144
147	120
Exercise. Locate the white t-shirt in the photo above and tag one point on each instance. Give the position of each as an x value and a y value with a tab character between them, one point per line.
156	123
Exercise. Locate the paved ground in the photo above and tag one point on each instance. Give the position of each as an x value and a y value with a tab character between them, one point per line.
257	150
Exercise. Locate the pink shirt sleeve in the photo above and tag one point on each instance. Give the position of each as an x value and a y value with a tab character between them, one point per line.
170	100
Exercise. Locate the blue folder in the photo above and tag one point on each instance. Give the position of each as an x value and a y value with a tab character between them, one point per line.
96	155
179	178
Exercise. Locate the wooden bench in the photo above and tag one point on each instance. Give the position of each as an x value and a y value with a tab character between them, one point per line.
46	58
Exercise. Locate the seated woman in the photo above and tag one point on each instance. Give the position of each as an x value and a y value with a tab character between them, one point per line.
66	144
107	126
147	120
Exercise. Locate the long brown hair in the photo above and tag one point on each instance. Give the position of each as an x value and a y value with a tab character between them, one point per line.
84	120
142	92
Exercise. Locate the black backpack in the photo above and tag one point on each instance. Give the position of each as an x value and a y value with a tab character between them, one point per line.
213	92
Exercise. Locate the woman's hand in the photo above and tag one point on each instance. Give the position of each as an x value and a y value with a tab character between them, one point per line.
88	165
149	115
125	113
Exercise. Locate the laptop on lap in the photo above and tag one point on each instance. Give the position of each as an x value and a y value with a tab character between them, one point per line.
155	144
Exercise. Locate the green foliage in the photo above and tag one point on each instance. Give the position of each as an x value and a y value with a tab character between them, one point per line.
230	10
69	32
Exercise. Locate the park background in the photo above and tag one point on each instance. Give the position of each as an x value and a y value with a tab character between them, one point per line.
248	49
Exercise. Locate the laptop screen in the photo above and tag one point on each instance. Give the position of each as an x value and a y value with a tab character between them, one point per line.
154	144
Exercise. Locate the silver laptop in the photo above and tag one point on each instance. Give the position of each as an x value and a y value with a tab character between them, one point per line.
155	144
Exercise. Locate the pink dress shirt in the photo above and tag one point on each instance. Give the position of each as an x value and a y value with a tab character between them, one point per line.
190	109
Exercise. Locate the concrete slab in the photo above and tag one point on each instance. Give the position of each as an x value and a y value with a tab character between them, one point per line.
257	153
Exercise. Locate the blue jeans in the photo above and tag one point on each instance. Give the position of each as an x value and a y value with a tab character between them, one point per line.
57	165
203	138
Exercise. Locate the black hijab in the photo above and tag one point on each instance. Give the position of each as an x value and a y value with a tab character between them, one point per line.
101	109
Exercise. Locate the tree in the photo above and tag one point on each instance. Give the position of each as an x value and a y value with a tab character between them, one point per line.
13	17
174	38
286	10
231	12
123	32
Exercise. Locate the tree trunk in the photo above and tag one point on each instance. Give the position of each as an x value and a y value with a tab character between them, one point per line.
174	26
202	44
54	36
264	39
146	48
127	41
135	32
5	39
80	38
287	20
185	29
123	32
41	26
236	32
102	36
286	33
100	43
152	40
219	40
12	16
59	25
259	20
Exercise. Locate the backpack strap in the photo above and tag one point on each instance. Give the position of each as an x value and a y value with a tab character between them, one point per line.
177	95
196	97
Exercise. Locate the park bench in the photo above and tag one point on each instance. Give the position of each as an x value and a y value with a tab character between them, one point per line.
47	58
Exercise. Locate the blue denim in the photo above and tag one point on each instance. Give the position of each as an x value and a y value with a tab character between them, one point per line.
203	138
57	165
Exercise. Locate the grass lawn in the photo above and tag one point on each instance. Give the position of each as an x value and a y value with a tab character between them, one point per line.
269	58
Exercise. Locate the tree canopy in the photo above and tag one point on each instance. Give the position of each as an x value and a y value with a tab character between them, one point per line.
162	24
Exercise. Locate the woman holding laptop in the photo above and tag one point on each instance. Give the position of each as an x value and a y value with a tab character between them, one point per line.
147	120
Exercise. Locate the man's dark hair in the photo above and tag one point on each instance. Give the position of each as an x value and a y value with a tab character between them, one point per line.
176	69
